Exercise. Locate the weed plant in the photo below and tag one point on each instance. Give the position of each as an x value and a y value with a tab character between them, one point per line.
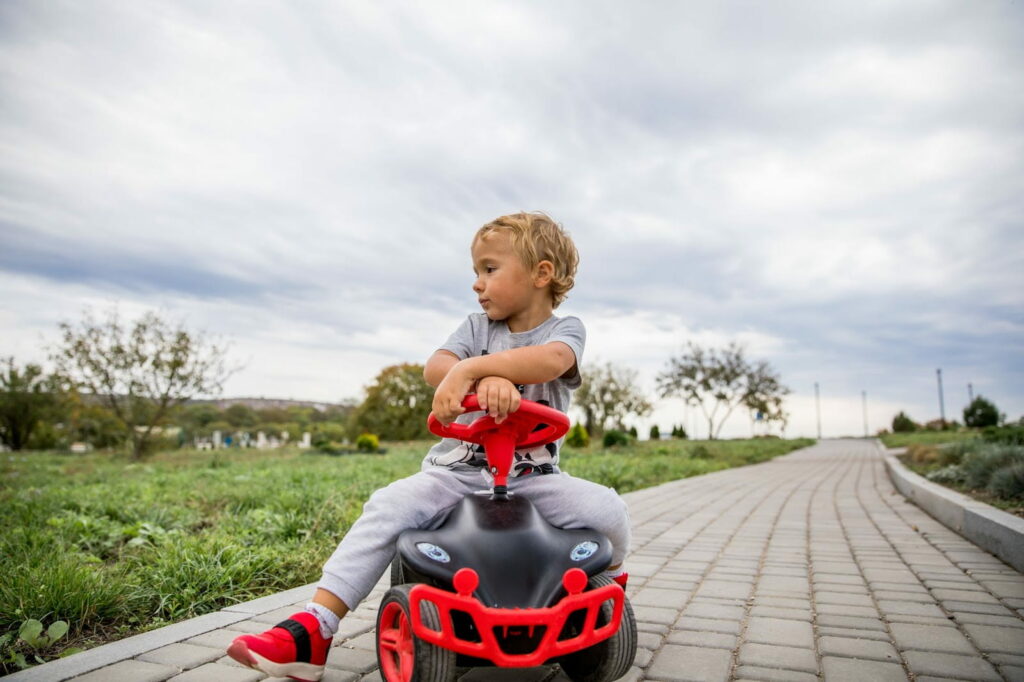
114	547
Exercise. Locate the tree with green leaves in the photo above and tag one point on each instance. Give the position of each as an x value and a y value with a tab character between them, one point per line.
27	398
720	380
396	405
608	395
139	370
981	413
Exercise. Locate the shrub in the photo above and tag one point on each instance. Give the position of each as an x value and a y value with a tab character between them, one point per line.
679	432
981	465
367	442
701	452
951	474
922	454
901	423
614	438
655	433
1008	482
578	436
632	433
1008	435
954	453
981	413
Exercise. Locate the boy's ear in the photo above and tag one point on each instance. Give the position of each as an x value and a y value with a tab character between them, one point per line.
543	273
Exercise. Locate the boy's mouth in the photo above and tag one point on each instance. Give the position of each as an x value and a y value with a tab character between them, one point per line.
484	302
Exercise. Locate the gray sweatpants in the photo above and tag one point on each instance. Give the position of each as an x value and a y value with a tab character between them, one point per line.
369	546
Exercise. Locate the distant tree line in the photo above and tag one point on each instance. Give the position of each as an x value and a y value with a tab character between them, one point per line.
134	385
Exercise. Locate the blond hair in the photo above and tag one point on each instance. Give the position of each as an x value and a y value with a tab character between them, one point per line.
536	237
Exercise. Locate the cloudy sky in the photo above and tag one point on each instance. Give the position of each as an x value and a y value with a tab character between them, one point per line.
838	186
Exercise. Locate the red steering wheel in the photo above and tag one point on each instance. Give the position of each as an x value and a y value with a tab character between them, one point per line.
519	430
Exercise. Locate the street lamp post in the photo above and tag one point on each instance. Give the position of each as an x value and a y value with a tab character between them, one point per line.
942	403
864	405
817	407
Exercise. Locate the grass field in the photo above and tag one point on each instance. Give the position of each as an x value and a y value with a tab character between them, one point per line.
115	547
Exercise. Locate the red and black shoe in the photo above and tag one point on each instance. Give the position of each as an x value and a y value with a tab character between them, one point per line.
293	648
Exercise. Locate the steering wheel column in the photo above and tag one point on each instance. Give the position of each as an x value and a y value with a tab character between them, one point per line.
531	425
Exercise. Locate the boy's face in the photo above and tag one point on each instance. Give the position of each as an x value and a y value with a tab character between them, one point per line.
504	287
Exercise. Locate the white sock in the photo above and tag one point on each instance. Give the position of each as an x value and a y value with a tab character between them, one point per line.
328	619
614	574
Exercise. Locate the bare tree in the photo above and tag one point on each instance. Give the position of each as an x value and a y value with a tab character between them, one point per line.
608	395
141	370
719	381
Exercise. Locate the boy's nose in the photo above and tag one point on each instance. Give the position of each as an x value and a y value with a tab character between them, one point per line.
478	285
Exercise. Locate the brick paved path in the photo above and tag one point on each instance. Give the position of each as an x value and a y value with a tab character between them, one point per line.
807	566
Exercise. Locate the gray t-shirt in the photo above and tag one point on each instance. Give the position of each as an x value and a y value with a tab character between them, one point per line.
478	335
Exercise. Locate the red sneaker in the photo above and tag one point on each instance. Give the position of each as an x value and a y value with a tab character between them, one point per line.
293	648
622	579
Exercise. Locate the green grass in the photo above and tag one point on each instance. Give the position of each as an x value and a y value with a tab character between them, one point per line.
115	547
902	440
648	463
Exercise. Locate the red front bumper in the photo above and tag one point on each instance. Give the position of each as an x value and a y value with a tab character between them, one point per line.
487	620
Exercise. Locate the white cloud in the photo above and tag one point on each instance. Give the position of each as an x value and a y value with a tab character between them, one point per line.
839	187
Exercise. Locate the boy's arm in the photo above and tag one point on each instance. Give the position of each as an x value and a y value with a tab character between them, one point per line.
527	365
438	366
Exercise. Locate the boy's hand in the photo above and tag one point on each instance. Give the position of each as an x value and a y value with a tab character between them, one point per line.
448	397
498	396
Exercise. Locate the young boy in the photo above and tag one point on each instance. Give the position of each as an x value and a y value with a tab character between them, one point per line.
525	264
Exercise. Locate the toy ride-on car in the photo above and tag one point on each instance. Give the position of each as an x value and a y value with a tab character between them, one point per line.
496	584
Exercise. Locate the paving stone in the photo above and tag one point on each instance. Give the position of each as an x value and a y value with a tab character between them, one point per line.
965	595
858	648
773	675
211	672
910	608
777	631
986	619
704	609
729	627
1013	673
829	620
855	670
770	656
972	607
847	633
660	597
949	665
129	671
991	638
721	588
648	640
684	663
653	614
711	640
930	638
787	614
825	597
847	610
353	660
181	655
215	639
771	584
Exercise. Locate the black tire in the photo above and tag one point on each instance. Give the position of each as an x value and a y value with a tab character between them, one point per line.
397	574
608	660
430	663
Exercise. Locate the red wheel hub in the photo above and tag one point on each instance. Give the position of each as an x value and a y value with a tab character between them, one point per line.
395	641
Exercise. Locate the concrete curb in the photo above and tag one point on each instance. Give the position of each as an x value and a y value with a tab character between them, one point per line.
122	650
996	531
